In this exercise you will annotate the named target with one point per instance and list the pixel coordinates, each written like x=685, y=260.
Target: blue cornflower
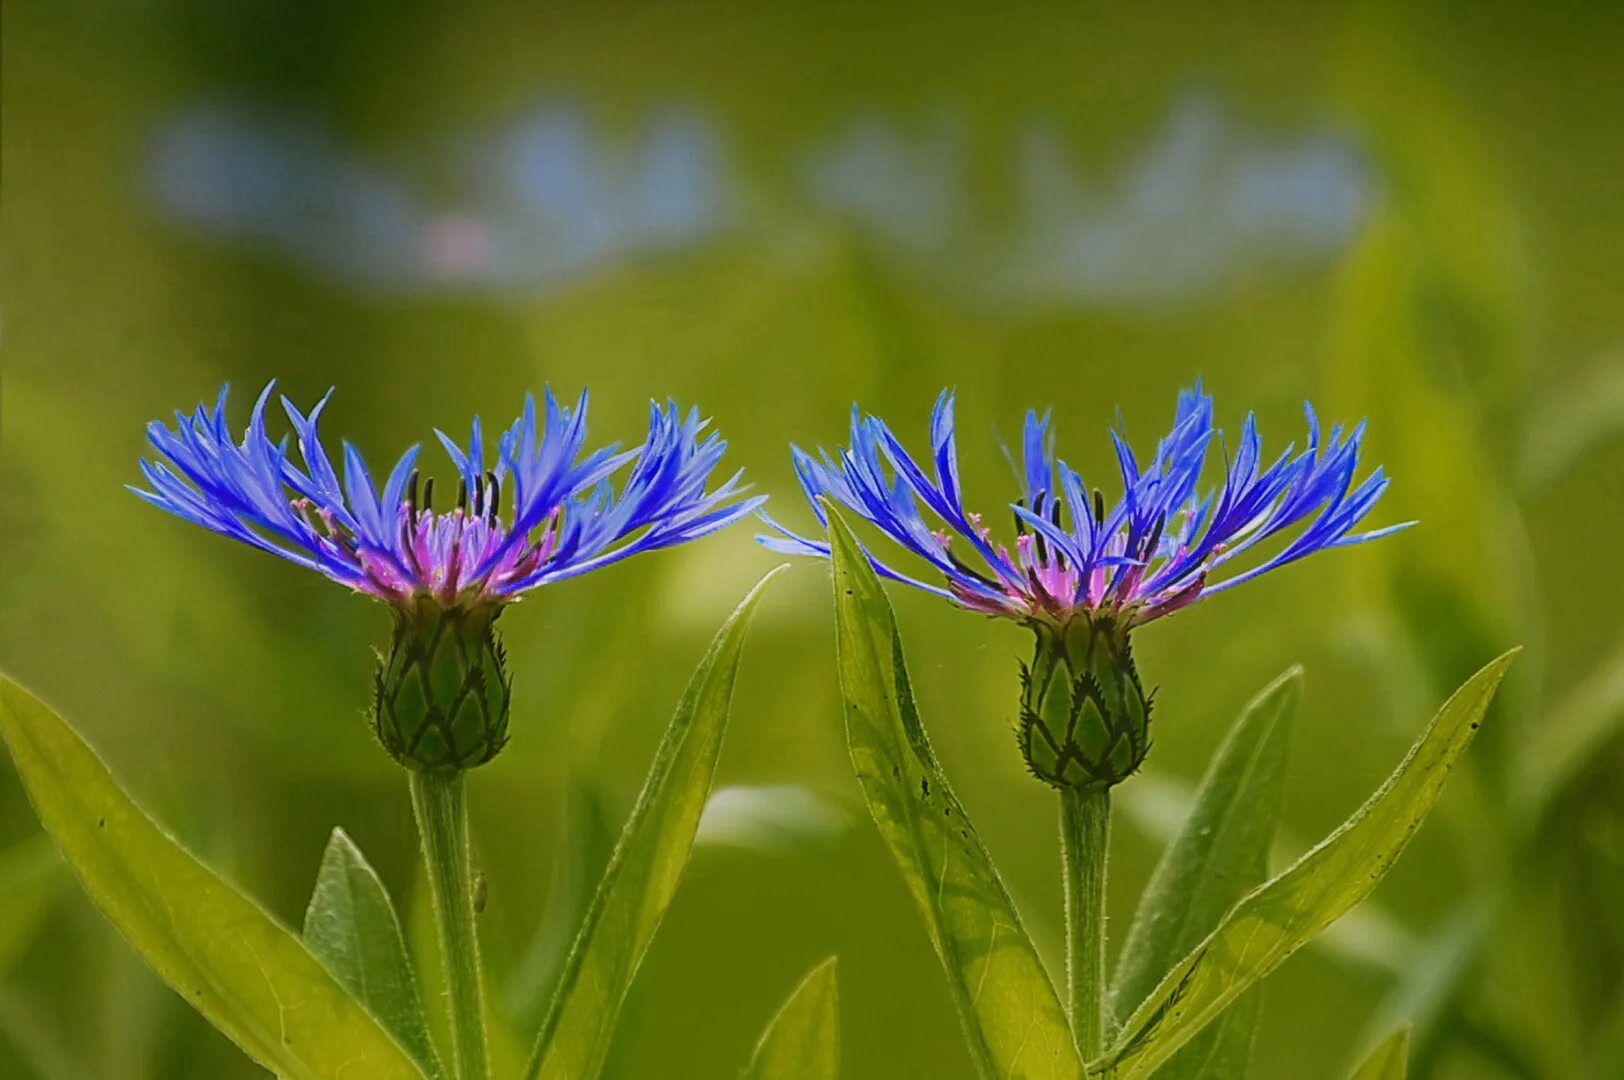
x=564, y=515
x=1082, y=574
x=1162, y=546
x=441, y=693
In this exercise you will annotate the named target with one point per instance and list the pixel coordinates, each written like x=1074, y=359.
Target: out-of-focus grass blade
x=1436, y=974
x=771, y=818
x=586, y=840
x=1389, y=1060
x=1429, y=337
x=1277, y=919
x=1221, y=854
x=30, y=874
x=1012, y=1018
x=1570, y=422
x=352, y=928
x=1559, y=747
x=803, y=1040
x=249, y=975
x=645, y=869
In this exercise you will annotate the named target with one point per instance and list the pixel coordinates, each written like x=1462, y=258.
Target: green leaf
x=1388, y=1060
x=803, y=1040
x=1275, y=920
x=246, y=973
x=1012, y=1018
x=30, y=873
x=351, y=927
x=645, y=868
x=1221, y=853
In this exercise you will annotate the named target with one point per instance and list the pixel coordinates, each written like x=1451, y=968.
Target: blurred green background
x=1407, y=213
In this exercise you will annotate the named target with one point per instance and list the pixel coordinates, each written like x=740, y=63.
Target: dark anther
x=1099, y=507
x=964, y=568
x=1037, y=537
x=1044, y=596
x=1020, y=523
x=479, y=494
x=1054, y=511
x=1155, y=537
x=428, y=495
x=411, y=497
x=493, y=501
x=462, y=494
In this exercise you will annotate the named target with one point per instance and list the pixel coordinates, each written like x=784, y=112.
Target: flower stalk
x=439, y=800
x=1085, y=827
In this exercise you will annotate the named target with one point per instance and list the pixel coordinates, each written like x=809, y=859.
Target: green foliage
x=352, y=928
x=1388, y=1061
x=1280, y=917
x=251, y=977
x=803, y=1040
x=645, y=868
x=1012, y=1019
x=1221, y=853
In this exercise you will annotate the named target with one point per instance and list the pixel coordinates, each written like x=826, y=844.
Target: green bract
x=441, y=695
x=1085, y=716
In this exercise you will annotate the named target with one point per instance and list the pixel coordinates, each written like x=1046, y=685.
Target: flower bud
x=441, y=695
x=1085, y=717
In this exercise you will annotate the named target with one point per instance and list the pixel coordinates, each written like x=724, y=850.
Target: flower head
x=1163, y=545
x=536, y=511
x=1083, y=574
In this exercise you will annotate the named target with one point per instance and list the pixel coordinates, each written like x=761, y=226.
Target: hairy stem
x=1085, y=826
x=440, y=802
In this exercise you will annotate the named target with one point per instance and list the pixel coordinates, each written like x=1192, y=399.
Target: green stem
x=1085, y=827
x=441, y=804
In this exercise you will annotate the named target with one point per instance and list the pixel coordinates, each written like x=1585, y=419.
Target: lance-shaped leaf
x=1389, y=1060
x=1277, y=919
x=1012, y=1019
x=645, y=868
x=352, y=928
x=246, y=973
x=803, y=1040
x=1221, y=854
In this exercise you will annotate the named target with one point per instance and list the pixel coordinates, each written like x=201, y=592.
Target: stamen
x=1154, y=538
x=1099, y=507
x=1037, y=508
x=1045, y=598
x=462, y=495
x=411, y=498
x=312, y=517
x=964, y=568
x=428, y=496
x=495, y=503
